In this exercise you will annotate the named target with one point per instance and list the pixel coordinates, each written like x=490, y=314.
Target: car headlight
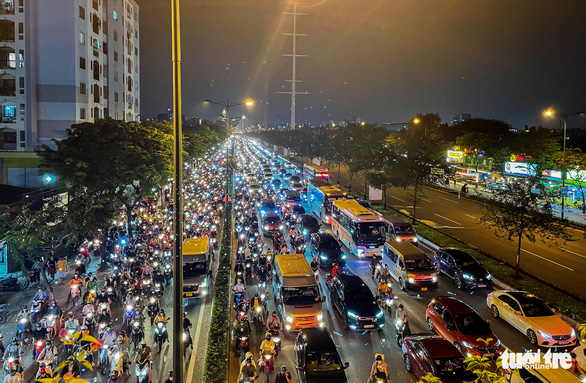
x=415, y=239
x=352, y=315
x=344, y=256
x=466, y=344
x=398, y=239
x=488, y=276
x=544, y=335
x=289, y=319
x=434, y=278
x=380, y=314
x=467, y=276
x=323, y=257
x=320, y=317
x=411, y=280
x=266, y=227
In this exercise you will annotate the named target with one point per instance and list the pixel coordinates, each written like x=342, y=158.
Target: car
x=462, y=326
x=294, y=179
x=326, y=250
x=462, y=268
x=306, y=225
x=282, y=172
x=254, y=187
x=287, y=177
x=296, y=210
x=431, y=354
x=317, y=358
x=290, y=197
x=267, y=206
x=532, y=317
x=354, y=301
x=268, y=176
x=276, y=184
x=271, y=223
x=296, y=186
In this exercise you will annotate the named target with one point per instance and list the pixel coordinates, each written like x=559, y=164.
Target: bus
x=311, y=171
x=197, y=272
x=362, y=230
x=320, y=196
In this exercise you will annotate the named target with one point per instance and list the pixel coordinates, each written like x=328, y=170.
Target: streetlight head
x=249, y=103
x=416, y=121
x=549, y=113
x=362, y=123
x=207, y=101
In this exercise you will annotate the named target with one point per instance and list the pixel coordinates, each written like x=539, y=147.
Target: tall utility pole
x=294, y=56
x=178, y=203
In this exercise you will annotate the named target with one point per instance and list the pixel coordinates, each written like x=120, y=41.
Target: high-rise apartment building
x=64, y=62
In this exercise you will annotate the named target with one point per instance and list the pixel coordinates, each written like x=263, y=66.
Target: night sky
x=381, y=60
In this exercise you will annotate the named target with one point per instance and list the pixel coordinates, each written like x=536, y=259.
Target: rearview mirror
x=346, y=365
x=517, y=312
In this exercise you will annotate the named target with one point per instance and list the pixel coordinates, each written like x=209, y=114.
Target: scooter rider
x=24, y=313
x=401, y=313
x=108, y=337
x=248, y=371
x=13, y=350
x=268, y=345
x=239, y=288
x=40, y=295
x=71, y=323
x=315, y=268
x=383, y=289
x=273, y=322
x=49, y=355
x=379, y=369
x=144, y=353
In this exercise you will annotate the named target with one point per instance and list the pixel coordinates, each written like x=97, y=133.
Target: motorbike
x=187, y=341
x=24, y=331
x=137, y=333
x=34, y=275
x=372, y=268
x=241, y=340
x=37, y=311
x=39, y=347
x=401, y=331
x=111, y=294
x=51, y=324
x=276, y=337
x=104, y=360
x=90, y=322
x=153, y=309
x=168, y=274
x=159, y=289
x=143, y=371
x=128, y=316
x=9, y=284
x=161, y=334
x=248, y=270
x=267, y=366
x=119, y=356
x=75, y=294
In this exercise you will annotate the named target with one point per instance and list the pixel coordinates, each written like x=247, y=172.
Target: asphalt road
x=359, y=348
x=558, y=263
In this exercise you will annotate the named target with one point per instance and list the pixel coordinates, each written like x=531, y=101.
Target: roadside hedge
x=216, y=364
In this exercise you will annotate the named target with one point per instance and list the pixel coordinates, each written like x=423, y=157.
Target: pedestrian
x=52, y=266
x=284, y=376
x=62, y=268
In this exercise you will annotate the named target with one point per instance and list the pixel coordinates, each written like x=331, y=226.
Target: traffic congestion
x=108, y=318
x=326, y=289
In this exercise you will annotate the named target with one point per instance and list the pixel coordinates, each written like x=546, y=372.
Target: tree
x=515, y=211
x=484, y=369
x=477, y=143
x=576, y=166
x=418, y=148
x=115, y=162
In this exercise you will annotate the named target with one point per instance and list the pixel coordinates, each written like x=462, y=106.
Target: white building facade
x=64, y=62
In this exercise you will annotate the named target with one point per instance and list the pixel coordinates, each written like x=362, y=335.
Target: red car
x=428, y=353
x=462, y=326
x=271, y=223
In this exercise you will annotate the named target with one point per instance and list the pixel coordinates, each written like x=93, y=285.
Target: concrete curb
x=502, y=285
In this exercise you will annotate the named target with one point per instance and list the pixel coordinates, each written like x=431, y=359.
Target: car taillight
x=488, y=296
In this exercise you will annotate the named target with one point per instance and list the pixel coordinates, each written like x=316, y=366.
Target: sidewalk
x=570, y=213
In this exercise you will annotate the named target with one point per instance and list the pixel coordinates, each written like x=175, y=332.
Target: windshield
x=310, y=224
x=272, y=219
x=293, y=198
x=533, y=307
x=328, y=243
x=268, y=205
x=419, y=265
x=323, y=361
x=371, y=231
x=359, y=296
x=471, y=324
x=194, y=269
x=451, y=368
x=300, y=295
x=404, y=229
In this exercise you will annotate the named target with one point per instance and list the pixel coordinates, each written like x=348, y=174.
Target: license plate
x=562, y=343
x=424, y=289
x=188, y=294
x=481, y=285
x=368, y=326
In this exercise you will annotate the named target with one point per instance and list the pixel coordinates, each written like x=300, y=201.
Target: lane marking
x=447, y=219
x=191, y=368
x=471, y=216
x=426, y=200
x=446, y=199
x=428, y=247
x=573, y=252
x=402, y=200
x=549, y=260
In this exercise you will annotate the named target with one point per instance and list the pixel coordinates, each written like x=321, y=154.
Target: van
x=297, y=296
x=410, y=266
x=399, y=230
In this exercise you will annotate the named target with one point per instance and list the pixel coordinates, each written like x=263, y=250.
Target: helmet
x=122, y=333
x=70, y=316
x=70, y=359
x=24, y=307
x=248, y=360
x=53, y=302
x=144, y=343
x=268, y=335
x=43, y=370
x=401, y=306
x=161, y=311
x=48, y=343
x=248, y=355
x=379, y=357
x=39, y=326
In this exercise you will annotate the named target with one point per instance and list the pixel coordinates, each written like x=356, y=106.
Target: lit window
x=115, y=15
x=82, y=37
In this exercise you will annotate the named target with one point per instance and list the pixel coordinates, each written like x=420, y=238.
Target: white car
x=532, y=317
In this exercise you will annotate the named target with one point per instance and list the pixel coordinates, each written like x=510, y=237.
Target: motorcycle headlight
x=258, y=309
x=152, y=300
x=23, y=320
x=320, y=316
x=129, y=308
x=276, y=339
x=117, y=355
x=434, y=278
x=411, y=280
x=39, y=344
x=262, y=296
x=160, y=324
x=135, y=324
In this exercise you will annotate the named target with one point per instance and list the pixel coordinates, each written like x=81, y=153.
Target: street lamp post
x=550, y=113
x=227, y=105
x=178, y=372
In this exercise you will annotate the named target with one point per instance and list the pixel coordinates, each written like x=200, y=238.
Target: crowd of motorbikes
x=138, y=270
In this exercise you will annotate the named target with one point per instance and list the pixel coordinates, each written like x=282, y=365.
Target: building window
x=22, y=136
x=116, y=96
x=21, y=58
x=82, y=88
x=21, y=82
x=116, y=75
x=96, y=23
x=7, y=7
x=7, y=30
x=82, y=63
x=136, y=51
x=96, y=68
x=115, y=35
x=105, y=47
x=95, y=4
x=7, y=85
x=8, y=113
x=115, y=56
x=20, y=27
x=7, y=58
x=114, y=14
x=22, y=111
x=106, y=93
x=129, y=82
x=81, y=12
x=82, y=37
x=82, y=114
x=96, y=93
